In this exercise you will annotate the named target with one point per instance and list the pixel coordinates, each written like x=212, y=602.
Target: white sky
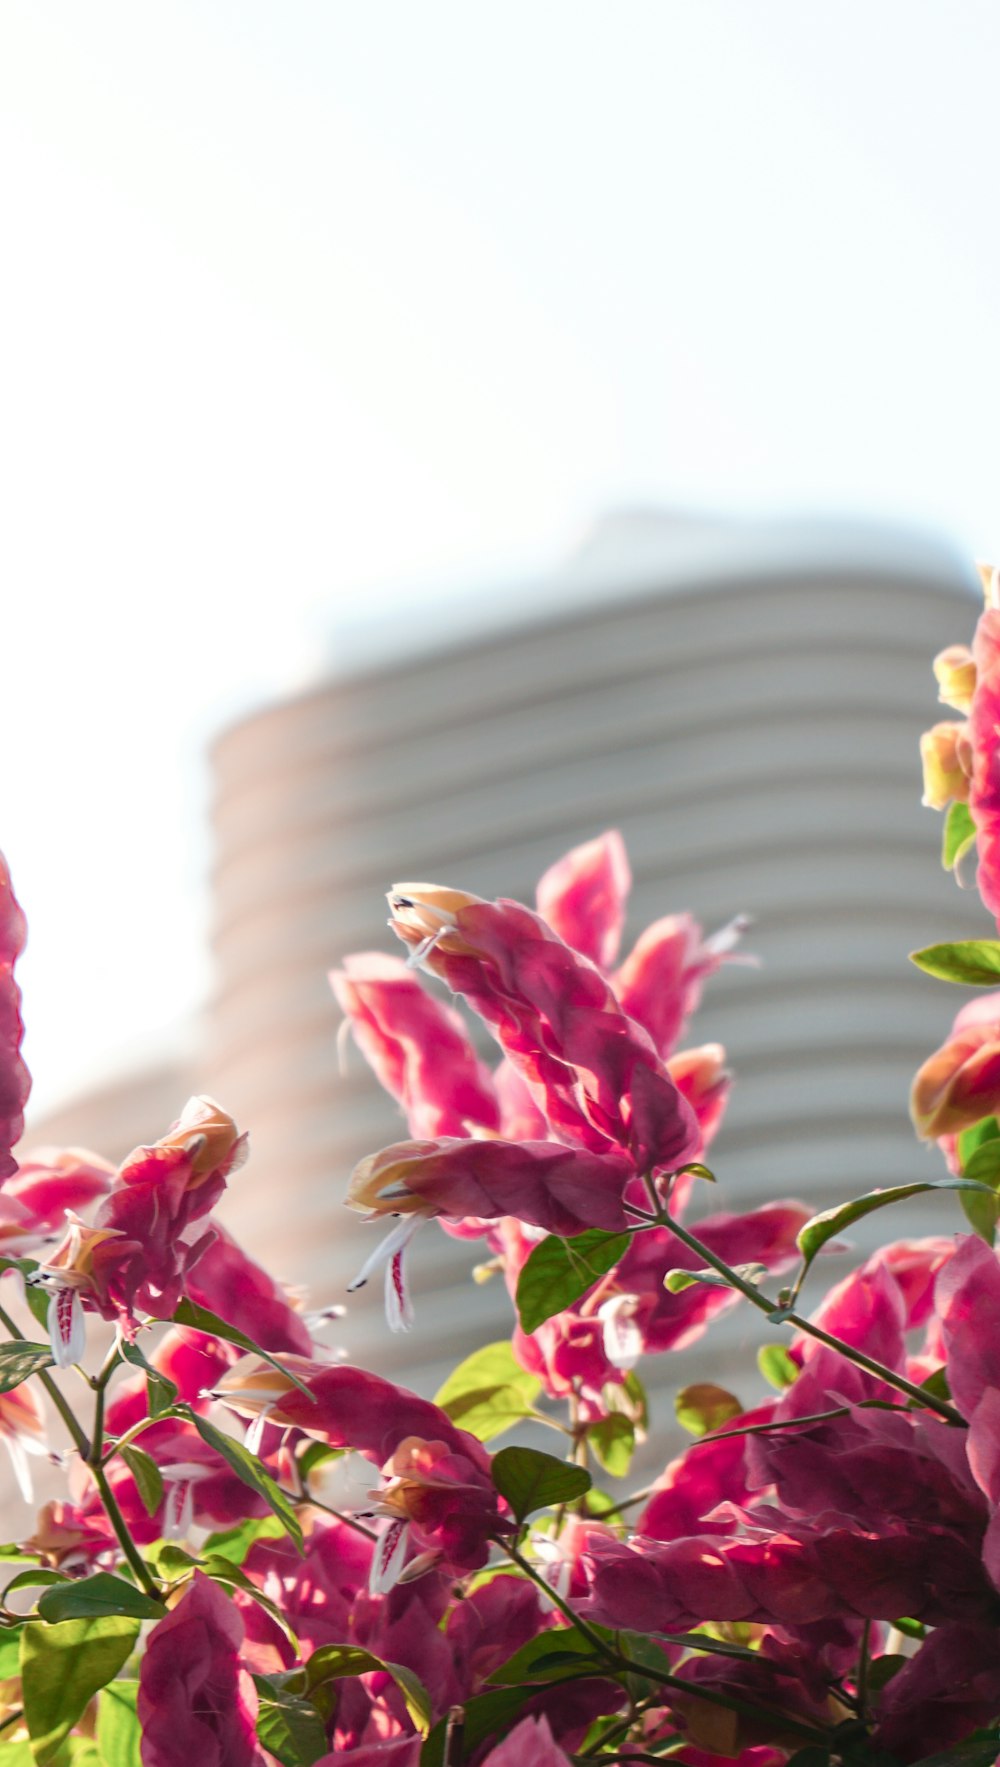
x=302, y=301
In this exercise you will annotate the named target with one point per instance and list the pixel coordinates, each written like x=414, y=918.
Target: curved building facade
x=744, y=704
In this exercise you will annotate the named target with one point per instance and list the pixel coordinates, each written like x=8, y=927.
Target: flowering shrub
x=266, y=1555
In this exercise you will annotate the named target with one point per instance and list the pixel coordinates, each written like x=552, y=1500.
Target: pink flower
x=344, y=1406
x=948, y=1689
x=196, y=1703
x=659, y=985
x=419, y=1049
x=231, y=1284
x=960, y=1083
x=582, y=897
x=593, y=1072
x=52, y=1180
x=200, y=1489
x=439, y=1506
x=530, y=1744
x=561, y=1189
x=440, y=1497
x=15, y=1081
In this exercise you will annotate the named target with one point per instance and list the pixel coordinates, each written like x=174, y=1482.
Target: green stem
x=862, y=1685
x=58, y=1399
x=139, y=1568
x=743, y=1708
x=789, y=1317
x=145, y=1423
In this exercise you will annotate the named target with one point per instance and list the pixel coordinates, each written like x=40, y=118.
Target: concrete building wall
x=747, y=711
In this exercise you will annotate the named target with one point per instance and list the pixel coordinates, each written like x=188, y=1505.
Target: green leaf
x=982, y=1163
x=546, y=1657
x=957, y=836
x=532, y=1480
x=777, y=1366
x=247, y=1467
x=332, y=1662
x=222, y=1570
x=16, y=1754
x=635, y=1392
x=161, y=1392
x=676, y=1281
x=316, y=1454
x=234, y=1543
x=89, y=1597
x=38, y=1300
x=697, y=1170
x=973, y=962
x=200, y=1319
x=987, y=1129
x=882, y=1669
x=488, y=1392
x=62, y=1667
x=33, y=1579
x=288, y=1726
x=147, y=1476
x=10, y=1652
x=20, y=1360
x=827, y=1225
x=559, y=1271
x=704, y=1407
x=612, y=1439
x=118, y=1724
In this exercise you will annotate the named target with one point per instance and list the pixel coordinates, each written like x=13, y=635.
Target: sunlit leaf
x=531, y=1480
x=958, y=835
x=289, y=1727
x=334, y=1661
x=247, y=1467
x=234, y=1543
x=777, y=1366
x=830, y=1222
x=161, y=1391
x=704, y=1407
x=88, y=1597
x=488, y=1392
x=676, y=1281
x=147, y=1476
x=558, y=1271
x=973, y=962
x=20, y=1360
x=546, y=1657
x=118, y=1724
x=612, y=1439
x=198, y=1318
x=62, y=1667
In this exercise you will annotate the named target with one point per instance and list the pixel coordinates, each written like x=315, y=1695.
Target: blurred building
x=744, y=703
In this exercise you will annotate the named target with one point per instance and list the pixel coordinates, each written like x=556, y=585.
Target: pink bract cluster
x=333, y=1569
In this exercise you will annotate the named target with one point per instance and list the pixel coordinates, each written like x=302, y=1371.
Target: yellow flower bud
x=955, y=673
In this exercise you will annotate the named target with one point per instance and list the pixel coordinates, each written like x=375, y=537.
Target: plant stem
x=137, y=1564
x=789, y=1317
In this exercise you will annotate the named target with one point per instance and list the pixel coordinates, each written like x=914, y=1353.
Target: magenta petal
x=196, y=1703
x=15, y=1081
x=582, y=897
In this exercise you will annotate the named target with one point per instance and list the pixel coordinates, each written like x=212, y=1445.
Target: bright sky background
x=331, y=306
